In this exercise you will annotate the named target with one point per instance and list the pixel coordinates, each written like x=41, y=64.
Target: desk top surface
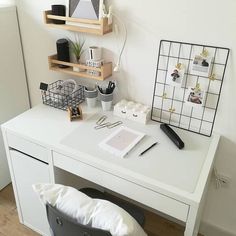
x=165, y=163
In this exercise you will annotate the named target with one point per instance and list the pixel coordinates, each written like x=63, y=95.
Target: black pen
x=100, y=89
x=148, y=148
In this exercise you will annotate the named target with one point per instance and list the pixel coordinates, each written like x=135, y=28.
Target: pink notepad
x=121, y=141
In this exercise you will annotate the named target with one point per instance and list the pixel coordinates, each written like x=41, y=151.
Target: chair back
x=62, y=225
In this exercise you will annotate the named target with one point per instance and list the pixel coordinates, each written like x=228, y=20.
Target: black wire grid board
x=190, y=100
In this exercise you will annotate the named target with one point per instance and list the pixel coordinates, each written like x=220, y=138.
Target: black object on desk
x=172, y=135
x=148, y=148
x=109, y=90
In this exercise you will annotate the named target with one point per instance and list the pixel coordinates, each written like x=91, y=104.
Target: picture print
x=195, y=97
x=201, y=65
x=85, y=9
x=175, y=76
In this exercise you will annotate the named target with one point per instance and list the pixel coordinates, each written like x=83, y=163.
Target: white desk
x=166, y=179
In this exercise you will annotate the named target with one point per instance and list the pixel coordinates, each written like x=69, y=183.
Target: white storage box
x=132, y=111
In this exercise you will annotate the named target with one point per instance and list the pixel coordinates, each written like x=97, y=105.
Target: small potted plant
x=77, y=49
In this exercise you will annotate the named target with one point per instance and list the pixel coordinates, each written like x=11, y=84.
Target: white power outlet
x=224, y=180
x=220, y=179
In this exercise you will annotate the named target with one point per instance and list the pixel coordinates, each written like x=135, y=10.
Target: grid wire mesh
x=62, y=97
x=169, y=102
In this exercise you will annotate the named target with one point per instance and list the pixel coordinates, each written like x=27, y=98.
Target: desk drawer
x=27, y=147
x=129, y=189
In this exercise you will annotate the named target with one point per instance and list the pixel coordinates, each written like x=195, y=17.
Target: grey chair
x=62, y=225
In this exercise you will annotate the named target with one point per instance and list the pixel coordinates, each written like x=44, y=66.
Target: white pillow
x=68, y=200
x=97, y=213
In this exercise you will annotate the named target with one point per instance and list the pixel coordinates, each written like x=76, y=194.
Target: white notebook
x=121, y=141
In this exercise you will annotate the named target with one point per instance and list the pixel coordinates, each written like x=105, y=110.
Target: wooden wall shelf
x=97, y=27
x=105, y=70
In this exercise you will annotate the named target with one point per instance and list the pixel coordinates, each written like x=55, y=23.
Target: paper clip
x=204, y=53
x=178, y=66
x=172, y=110
x=101, y=126
x=112, y=125
x=101, y=120
x=212, y=77
x=164, y=96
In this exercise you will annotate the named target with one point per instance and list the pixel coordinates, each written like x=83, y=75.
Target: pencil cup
x=91, y=97
x=106, y=100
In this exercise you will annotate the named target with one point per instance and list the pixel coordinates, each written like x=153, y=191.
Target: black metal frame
x=189, y=59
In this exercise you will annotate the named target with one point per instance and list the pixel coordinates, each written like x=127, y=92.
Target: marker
x=148, y=148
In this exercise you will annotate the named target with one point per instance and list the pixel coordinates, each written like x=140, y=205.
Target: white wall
x=11, y=2
x=205, y=22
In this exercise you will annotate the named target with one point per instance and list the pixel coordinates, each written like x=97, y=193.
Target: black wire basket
x=62, y=96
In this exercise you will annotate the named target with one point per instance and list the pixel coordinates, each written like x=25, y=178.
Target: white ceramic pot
x=91, y=97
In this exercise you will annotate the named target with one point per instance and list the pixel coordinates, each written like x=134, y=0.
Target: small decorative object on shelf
x=93, y=63
x=62, y=94
x=95, y=53
x=63, y=53
x=85, y=9
x=132, y=111
x=77, y=49
x=59, y=10
x=75, y=113
x=95, y=60
x=105, y=70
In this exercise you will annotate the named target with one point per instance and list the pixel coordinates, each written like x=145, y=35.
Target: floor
x=10, y=226
x=9, y=222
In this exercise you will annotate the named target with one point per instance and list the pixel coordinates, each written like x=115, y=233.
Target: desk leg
x=193, y=222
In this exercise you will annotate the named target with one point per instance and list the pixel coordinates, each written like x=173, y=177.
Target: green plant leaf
x=77, y=47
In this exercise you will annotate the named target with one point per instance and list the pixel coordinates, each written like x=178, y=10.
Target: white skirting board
x=208, y=229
